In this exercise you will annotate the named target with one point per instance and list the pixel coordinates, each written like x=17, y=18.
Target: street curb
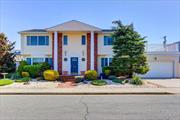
x=90, y=93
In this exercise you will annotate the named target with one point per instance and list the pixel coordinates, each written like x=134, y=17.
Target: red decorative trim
x=95, y=50
x=88, y=51
x=52, y=50
x=60, y=53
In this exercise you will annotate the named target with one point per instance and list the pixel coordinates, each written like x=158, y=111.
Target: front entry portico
x=87, y=53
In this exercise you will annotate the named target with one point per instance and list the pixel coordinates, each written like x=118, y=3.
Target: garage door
x=160, y=70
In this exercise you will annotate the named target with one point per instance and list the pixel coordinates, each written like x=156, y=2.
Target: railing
x=160, y=47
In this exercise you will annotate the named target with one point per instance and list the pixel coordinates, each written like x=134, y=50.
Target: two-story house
x=74, y=47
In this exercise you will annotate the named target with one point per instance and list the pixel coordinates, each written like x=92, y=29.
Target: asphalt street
x=89, y=107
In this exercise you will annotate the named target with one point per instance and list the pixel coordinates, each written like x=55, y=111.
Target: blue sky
x=151, y=18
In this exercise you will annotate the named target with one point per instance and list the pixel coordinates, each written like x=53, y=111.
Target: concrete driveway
x=169, y=83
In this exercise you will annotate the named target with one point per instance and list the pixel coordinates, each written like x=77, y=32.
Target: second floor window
x=37, y=40
x=43, y=40
x=108, y=40
x=83, y=40
x=65, y=40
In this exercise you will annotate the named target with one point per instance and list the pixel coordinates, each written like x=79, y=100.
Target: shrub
x=25, y=79
x=79, y=79
x=117, y=80
x=5, y=82
x=98, y=82
x=20, y=68
x=44, y=66
x=106, y=68
x=51, y=75
x=136, y=80
x=33, y=70
x=112, y=77
x=25, y=74
x=91, y=75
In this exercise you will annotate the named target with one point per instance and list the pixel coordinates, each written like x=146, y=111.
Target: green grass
x=98, y=82
x=5, y=82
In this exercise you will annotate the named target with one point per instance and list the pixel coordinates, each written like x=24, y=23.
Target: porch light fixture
x=65, y=59
x=83, y=59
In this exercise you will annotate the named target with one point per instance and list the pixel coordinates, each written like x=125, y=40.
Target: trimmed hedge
x=33, y=70
x=112, y=77
x=118, y=81
x=98, y=82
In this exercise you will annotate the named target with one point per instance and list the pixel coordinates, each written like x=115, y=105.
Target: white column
x=55, y=50
x=92, y=50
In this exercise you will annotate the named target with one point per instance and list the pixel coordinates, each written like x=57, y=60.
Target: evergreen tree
x=129, y=49
x=7, y=57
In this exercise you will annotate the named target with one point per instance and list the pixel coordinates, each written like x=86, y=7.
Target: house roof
x=33, y=31
x=108, y=30
x=73, y=25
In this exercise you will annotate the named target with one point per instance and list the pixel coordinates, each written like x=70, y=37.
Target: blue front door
x=74, y=65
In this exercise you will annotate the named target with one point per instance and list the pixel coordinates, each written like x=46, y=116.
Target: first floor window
x=49, y=60
x=104, y=62
x=110, y=61
x=28, y=60
x=37, y=60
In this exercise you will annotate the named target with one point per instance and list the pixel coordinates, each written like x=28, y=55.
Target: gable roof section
x=73, y=25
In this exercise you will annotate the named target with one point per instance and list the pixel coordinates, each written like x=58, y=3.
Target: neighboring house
x=173, y=46
x=18, y=57
x=73, y=47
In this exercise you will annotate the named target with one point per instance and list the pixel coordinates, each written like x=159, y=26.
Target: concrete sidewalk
x=92, y=91
x=168, y=83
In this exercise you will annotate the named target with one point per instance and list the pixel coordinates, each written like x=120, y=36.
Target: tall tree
x=7, y=56
x=129, y=49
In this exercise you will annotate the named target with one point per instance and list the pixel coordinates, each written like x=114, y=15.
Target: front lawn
x=5, y=82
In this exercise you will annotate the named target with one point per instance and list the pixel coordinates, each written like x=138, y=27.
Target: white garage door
x=160, y=70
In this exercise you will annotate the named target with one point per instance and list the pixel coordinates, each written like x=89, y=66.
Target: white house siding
x=36, y=51
x=103, y=51
x=74, y=49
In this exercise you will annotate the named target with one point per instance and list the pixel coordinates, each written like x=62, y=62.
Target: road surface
x=97, y=107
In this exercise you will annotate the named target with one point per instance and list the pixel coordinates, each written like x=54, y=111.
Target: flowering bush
x=91, y=75
x=51, y=75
